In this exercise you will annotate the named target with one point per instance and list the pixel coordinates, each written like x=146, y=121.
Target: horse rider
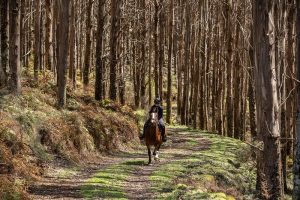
x=157, y=108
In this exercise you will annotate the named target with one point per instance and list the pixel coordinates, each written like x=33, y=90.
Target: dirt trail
x=64, y=185
x=137, y=186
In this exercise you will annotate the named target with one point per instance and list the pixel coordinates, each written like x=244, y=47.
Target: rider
x=157, y=108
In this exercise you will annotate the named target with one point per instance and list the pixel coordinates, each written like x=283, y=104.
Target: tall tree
x=87, y=56
x=62, y=49
x=37, y=38
x=115, y=11
x=4, y=42
x=72, y=67
x=296, y=192
x=14, y=46
x=99, y=49
x=48, y=35
x=267, y=100
x=169, y=95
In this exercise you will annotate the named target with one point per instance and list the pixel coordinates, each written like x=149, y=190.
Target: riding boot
x=142, y=136
x=164, y=137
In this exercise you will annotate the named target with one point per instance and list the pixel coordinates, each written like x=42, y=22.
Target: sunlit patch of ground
x=194, y=165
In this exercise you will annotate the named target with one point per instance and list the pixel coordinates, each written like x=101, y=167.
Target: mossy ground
x=223, y=169
x=109, y=183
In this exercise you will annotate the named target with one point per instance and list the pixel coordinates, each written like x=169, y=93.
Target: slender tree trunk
x=4, y=42
x=14, y=46
x=143, y=52
x=251, y=90
x=156, y=57
x=161, y=47
x=37, y=39
x=184, y=107
x=115, y=10
x=63, y=46
x=229, y=100
x=87, y=56
x=72, y=66
x=169, y=95
x=48, y=36
x=99, y=47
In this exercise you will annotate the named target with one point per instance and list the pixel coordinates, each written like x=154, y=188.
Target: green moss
x=109, y=183
x=207, y=171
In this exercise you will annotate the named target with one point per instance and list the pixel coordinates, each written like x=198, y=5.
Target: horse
x=153, y=137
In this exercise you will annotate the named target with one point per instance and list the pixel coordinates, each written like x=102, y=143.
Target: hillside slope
x=34, y=134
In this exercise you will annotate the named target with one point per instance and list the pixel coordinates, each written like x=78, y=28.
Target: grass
x=109, y=183
x=215, y=173
x=223, y=171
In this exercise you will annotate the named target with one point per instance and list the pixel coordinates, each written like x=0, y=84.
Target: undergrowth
x=33, y=132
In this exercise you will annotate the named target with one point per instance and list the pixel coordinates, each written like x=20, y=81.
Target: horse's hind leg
x=156, y=153
x=149, y=155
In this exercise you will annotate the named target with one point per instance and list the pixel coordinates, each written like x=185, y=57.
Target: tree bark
x=48, y=36
x=63, y=46
x=87, y=59
x=72, y=66
x=296, y=170
x=169, y=95
x=115, y=10
x=268, y=115
x=4, y=42
x=37, y=39
x=99, y=47
x=14, y=47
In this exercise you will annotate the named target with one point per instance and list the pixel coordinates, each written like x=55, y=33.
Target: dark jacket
x=158, y=109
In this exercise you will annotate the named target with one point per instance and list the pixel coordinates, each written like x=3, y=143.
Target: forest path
x=180, y=145
x=122, y=176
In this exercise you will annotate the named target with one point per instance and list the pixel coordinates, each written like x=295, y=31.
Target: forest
x=78, y=77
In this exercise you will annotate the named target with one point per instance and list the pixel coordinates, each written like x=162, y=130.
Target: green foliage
x=141, y=116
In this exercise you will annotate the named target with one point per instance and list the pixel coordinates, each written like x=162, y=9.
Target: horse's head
x=153, y=117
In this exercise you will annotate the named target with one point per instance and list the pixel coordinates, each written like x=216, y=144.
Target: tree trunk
x=48, y=36
x=156, y=57
x=63, y=46
x=115, y=10
x=296, y=191
x=99, y=47
x=72, y=66
x=268, y=115
x=14, y=46
x=229, y=100
x=87, y=59
x=37, y=39
x=169, y=95
x=4, y=42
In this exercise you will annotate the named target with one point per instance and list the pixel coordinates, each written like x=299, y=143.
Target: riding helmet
x=157, y=100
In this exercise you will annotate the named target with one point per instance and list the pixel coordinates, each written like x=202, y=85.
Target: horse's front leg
x=149, y=155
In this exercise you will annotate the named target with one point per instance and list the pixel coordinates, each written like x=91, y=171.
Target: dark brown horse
x=153, y=137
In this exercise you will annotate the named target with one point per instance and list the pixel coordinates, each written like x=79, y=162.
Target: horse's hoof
x=150, y=164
